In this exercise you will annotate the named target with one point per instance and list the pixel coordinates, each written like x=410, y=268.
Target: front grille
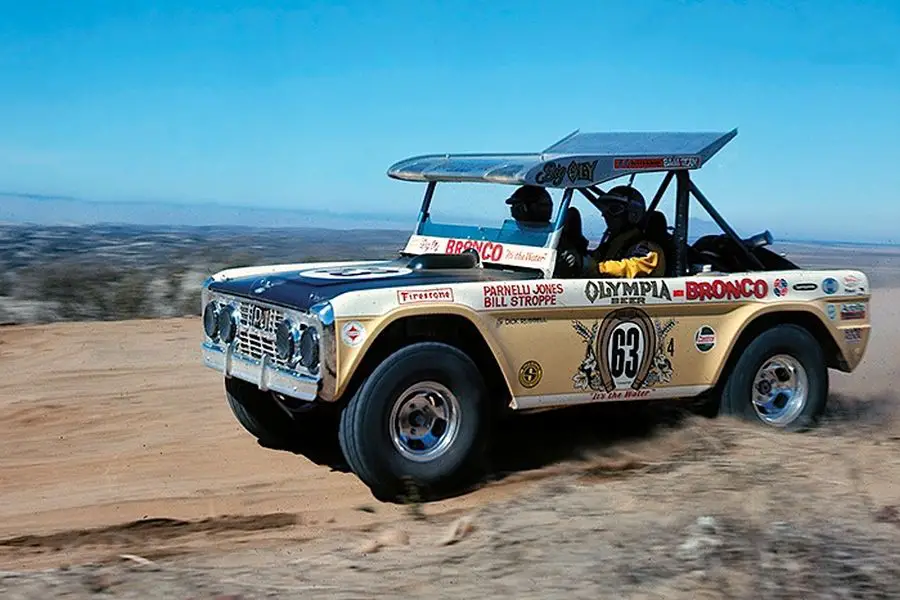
x=254, y=342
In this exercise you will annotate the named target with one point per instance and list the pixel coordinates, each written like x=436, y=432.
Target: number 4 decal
x=671, y=347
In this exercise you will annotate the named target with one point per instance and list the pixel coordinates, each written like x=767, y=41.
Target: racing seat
x=657, y=230
x=571, y=239
x=572, y=231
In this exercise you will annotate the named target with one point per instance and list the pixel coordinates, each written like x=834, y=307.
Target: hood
x=300, y=289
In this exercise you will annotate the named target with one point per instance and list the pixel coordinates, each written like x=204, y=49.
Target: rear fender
x=811, y=317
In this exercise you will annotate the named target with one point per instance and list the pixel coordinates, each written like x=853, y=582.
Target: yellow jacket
x=644, y=259
x=631, y=267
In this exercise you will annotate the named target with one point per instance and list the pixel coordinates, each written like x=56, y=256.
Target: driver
x=531, y=204
x=624, y=250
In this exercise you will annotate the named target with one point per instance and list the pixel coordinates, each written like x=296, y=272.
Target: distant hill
x=51, y=210
x=18, y=208
x=55, y=210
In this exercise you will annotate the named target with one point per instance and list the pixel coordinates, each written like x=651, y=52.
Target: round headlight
x=309, y=349
x=228, y=323
x=287, y=338
x=211, y=320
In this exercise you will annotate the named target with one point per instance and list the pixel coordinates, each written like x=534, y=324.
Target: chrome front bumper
x=264, y=374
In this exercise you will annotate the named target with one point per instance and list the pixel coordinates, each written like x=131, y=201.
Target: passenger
x=624, y=250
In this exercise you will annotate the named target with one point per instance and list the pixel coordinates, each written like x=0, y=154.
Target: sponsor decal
x=514, y=254
x=805, y=287
x=780, y=287
x=830, y=286
x=530, y=374
x=424, y=296
x=521, y=295
x=660, y=162
x=705, y=339
x=625, y=351
x=618, y=395
x=428, y=245
x=853, y=335
x=361, y=272
x=719, y=289
x=852, y=284
x=553, y=173
x=853, y=312
x=520, y=321
x=488, y=251
x=525, y=256
x=626, y=292
x=581, y=171
x=622, y=395
x=831, y=311
x=353, y=333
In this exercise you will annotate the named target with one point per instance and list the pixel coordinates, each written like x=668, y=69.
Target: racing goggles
x=614, y=208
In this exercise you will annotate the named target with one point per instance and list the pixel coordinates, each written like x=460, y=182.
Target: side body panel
x=569, y=341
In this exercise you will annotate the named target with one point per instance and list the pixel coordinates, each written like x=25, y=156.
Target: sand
x=115, y=439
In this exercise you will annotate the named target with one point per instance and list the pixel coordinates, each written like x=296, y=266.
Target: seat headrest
x=657, y=223
x=572, y=221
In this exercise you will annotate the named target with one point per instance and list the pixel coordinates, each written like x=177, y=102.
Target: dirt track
x=113, y=438
x=102, y=424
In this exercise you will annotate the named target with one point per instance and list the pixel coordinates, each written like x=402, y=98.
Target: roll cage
x=588, y=159
x=684, y=189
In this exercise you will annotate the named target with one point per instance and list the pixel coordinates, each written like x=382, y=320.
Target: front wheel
x=780, y=380
x=418, y=418
x=259, y=414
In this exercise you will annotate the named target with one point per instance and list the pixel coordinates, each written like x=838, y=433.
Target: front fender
x=350, y=355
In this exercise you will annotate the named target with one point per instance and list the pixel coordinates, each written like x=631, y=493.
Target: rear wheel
x=780, y=380
x=418, y=418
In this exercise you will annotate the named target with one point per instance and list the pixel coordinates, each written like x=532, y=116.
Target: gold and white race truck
x=415, y=353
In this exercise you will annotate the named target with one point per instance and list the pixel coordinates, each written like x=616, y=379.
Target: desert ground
x=123, y=474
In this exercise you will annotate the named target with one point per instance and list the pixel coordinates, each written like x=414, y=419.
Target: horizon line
x=788, y=240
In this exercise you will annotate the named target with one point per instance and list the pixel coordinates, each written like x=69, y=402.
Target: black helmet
x=531, y=203
x=624, y=199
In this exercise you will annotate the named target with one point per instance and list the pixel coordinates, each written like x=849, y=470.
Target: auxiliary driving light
x=228, y=323
x=211, y=319
x=287, y=340
x=309, y=349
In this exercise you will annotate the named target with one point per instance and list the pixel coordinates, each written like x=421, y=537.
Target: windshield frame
x=509, y=231
x=512, y=245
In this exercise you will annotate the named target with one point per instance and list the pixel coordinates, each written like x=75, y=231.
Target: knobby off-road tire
x=258, y=413
x=785, y=358
x=435, y=395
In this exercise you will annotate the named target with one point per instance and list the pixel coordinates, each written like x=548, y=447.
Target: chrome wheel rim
x=424, y=421
x=780, y=390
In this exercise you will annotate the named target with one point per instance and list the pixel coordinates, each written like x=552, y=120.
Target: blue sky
x=306, y=104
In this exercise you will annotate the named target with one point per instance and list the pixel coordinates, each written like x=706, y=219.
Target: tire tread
x=733, y=401
x=355, y=418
